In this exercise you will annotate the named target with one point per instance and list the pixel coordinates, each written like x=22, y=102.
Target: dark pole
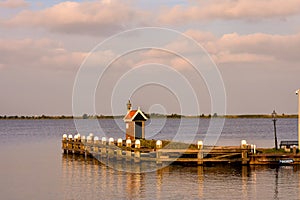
x=274, y=121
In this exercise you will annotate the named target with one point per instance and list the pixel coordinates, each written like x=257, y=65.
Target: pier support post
x=137, y=152
x=65, y=143
x=89, y=145
x=83, y=146
x=244, y=152
x=200, y=153
x=76, y=145
x=119, y=149
x=110, y=150
x=158, y=152
x=128, y=149
x=294, y=150
x=96, y=148
x=103, y=147
x=70, y=144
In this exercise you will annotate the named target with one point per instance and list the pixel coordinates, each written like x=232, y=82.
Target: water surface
x=32, y=166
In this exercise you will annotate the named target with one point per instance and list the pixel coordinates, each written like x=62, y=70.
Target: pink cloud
x=230, y=48
x=42, y=53
x=13, y=4
x=96, y=17
x=229, y=9
x=258, y=47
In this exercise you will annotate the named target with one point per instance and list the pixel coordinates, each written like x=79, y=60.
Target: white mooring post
x=110, y=147
x=96, y=143
x=83, y=139
x=111, y=141
x=158, y=152
x=244, y=152
x=103, y=147
x=70, y=143
x=128, y=149
x=83, y=145
x=119, y=142
x=65, y=136
x=65, y=143
x=137, y=152
x=200, y=152
x=76, y=146
x=119, y=149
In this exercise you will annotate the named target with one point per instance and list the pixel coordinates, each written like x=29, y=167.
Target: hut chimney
x=129, y=105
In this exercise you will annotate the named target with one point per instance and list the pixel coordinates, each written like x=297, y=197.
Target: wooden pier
x=127, y=151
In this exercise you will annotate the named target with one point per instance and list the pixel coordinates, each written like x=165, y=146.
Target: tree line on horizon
x=151, y=115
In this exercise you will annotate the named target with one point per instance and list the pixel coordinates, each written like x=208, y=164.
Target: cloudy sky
x=255, y=45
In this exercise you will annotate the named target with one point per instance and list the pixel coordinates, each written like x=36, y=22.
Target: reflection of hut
x=135, y=123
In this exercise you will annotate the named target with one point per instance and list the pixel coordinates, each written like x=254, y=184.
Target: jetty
x=164, y=154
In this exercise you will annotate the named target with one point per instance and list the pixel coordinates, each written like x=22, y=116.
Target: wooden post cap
x=137, y=144
x=158, y=144
x=89, y=138
x=111, y=141
x=128, y=142
x=103, y=140
x=200, y=144
x=243, y=142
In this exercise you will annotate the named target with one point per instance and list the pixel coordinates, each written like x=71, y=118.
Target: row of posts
x=89, y=140
x=84, y=144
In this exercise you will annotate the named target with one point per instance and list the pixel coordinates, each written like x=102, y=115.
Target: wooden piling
x=70, y=144
x=244, y=147
x=128, y=154
x=119, y=149
x=137, y=152
x=65, y=143
x=111, y=149
x=200, y=153
x=158, y=152
x=128, y=149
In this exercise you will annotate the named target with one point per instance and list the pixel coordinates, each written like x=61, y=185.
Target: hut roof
x=133, y=115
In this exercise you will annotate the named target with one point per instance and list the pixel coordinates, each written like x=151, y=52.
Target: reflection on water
x=89, y=179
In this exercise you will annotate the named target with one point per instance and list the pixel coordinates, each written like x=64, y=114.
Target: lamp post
x=274, y=115
x=297, y=93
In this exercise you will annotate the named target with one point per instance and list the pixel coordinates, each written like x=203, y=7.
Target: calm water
x=32, y=166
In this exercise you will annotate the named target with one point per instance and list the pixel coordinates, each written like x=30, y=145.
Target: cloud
x=96, y=17
x=230, y=9
x=41, y=53
x=106, y=17
x=231, y=48
x=13, y=4
x=257, y=49
x=251, y=48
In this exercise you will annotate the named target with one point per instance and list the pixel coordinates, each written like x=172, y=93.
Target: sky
x=255, y=46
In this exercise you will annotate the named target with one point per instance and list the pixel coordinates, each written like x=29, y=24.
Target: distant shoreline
x=153, y=116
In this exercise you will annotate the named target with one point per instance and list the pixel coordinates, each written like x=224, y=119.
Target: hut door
x=138, y=130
